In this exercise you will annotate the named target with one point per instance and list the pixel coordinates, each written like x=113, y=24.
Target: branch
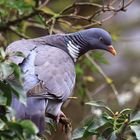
x=16, y=21
x=80, y=4
x=102, y=9
x=9, y=23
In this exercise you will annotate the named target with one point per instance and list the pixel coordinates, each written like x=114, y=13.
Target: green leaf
x=2, y=54
x=90, y=129
x=47, y=10
x=51, y=124
x=16, y=71
x=3, y=100
x=136, y=116
x=136, y=129
x=135, y=122
x=6, y=93
x=104, y=127
x=18, y=53
x=136, y=119
x=5, y=70
x=2, y=124
x=14, y=126
x=126, y=111
x=18, y=90
x=29, y=127
x=78, y=133
x=99, y=104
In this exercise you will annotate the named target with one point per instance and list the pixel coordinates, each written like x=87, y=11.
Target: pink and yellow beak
x=112, y=50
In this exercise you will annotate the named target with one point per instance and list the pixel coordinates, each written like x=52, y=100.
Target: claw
x=61, y=118
x=66, y=123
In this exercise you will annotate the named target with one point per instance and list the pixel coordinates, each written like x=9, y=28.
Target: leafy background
x=34, y=18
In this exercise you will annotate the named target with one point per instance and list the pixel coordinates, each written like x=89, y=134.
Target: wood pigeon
x=49, y=70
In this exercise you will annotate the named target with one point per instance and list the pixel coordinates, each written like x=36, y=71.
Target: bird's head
x=97, y=38
x=90, y=39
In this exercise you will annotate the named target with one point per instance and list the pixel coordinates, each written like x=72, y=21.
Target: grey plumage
x=49, y=77
x=48, y=70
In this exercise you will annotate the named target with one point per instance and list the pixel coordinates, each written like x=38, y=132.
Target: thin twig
x=103, y=8
x=80, y=4
x=16, y=21
x=44, y=3
x=19, y=33
x=52, y=26
x=98, y=89
x=107, y=79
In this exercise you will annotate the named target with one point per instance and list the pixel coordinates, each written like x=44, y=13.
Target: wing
x=23, y=46
x=56, y=72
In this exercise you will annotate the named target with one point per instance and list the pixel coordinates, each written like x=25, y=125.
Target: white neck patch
x=74, y=50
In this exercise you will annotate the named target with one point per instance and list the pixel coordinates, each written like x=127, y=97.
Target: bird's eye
x=101, y=39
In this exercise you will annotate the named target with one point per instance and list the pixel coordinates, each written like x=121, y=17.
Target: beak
x=112, y=50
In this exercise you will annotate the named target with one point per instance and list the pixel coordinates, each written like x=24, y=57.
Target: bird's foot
x=61, y=118
x=66, y=122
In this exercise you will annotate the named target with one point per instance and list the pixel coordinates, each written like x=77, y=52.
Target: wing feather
x=57, y=72
x=53, y=67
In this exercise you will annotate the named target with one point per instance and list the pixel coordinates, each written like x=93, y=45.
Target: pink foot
x=59, y=116
x=66, y=123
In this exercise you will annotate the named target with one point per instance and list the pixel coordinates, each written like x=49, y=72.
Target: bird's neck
x=76, y=45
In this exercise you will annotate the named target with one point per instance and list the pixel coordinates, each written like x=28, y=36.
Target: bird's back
x=46, y=69
x=49, y=77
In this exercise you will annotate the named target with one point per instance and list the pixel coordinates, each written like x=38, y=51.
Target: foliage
x=10, y=127
x=19, y=17
x=110, y=125
x=22, y=19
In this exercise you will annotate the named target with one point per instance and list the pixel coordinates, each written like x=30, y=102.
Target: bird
x=48, y=68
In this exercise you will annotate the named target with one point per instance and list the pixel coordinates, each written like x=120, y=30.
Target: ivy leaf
x=78, y=133
x=16, y=71
x=29, y=127
x=99, y=104
x=18, y=53
x=136, y=129
x=17, y=89
x=103, y=128
x=126, y=111
x=90, y=129
x=6, y=93
x=2, y=54
x=16, y=127
x=5, y=70
x=136, y=119
x=3, y=100
x=51, y=125
x=47, y=11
